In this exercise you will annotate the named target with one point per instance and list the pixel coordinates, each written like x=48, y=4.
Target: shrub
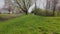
x=41, y=12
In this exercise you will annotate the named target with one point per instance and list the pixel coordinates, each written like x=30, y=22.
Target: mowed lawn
x=31, y=24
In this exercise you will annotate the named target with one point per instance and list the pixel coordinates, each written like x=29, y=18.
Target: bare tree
x=24, y=5
x=47, y=6
x=51, y=5
x=9, y=5
x=54, y=4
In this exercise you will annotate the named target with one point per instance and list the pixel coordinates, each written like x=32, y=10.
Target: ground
x=31, y=24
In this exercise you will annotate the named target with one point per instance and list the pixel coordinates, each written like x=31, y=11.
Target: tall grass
x=31, y=24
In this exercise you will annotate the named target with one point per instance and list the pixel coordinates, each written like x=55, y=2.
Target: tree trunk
x=53, y=11
x=26, y=12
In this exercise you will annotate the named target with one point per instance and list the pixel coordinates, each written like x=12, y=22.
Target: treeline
x=52, y=7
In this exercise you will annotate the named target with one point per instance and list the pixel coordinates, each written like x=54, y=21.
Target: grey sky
x=1, y=3
x=38, y=1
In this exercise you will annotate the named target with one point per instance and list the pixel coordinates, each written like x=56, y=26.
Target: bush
x=41, y=12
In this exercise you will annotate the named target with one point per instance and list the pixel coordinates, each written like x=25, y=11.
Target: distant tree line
x=51, y=5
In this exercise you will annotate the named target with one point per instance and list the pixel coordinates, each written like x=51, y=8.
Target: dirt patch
x=7, y=17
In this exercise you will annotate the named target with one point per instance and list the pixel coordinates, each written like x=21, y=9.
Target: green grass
x=31, y=24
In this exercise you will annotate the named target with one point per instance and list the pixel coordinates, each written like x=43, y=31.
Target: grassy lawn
x=31, y=24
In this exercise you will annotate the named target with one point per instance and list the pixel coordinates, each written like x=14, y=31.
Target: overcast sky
x=1, y=3
x=41, y=3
